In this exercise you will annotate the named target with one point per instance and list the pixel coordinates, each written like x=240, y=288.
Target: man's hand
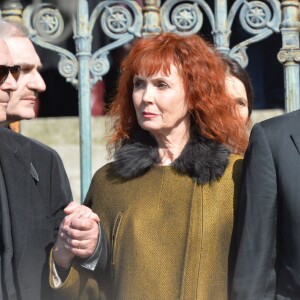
x=78, y=235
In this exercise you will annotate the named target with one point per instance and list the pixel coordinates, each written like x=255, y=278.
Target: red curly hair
x=213, y=112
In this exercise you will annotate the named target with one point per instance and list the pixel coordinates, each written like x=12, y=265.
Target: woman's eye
x=138, y=84
x=162, y=84
x=241, y=102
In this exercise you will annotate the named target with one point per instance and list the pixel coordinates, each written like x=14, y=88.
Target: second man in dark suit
x=268, y=259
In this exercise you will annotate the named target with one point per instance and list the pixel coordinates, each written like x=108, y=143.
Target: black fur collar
x=202, y=159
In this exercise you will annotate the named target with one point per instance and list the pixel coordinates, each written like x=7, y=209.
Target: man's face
x=30, y=83
x=9, y=85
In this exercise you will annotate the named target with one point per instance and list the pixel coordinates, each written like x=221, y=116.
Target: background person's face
x=9, y=84
x=30, y=83
x=159, y=102
x=236, y=89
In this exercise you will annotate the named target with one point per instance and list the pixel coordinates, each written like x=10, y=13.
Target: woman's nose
x=149, y=94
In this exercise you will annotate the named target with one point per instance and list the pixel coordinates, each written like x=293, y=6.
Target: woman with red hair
x=166, y=202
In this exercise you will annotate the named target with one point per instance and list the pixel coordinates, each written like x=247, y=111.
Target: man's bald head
x=5, y=58
x=10, y=29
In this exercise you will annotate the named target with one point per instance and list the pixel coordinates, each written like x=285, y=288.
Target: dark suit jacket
x=37, y=191
x=268, y=259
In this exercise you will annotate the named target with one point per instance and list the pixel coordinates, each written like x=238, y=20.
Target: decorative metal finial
x=12, y=10
x=151, y=18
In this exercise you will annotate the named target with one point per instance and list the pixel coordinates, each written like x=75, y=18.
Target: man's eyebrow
x=25, y=65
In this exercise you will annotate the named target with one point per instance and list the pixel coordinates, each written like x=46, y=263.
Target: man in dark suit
x=34, y=190
x=268, y=229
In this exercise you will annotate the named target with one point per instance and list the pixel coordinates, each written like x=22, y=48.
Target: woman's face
x=236, y=89
x=159, y=102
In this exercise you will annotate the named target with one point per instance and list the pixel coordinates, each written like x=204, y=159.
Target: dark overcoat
x=268, y=261
x=36, y=189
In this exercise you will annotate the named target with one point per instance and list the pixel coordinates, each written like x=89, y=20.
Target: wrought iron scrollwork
x=45, y=24
x=116, y=20
x=258, y=18
x=184, y=18
x=48, y=23
x=99, y=66
x=121, y=21
x=255, y=16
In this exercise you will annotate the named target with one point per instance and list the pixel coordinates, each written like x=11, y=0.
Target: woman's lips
x=149, y=115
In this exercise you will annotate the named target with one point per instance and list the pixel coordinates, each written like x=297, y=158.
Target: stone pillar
x=289, y=54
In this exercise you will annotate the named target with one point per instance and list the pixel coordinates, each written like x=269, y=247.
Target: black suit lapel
x=296, y=140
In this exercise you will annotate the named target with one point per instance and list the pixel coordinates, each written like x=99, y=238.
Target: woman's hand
x=78, y=235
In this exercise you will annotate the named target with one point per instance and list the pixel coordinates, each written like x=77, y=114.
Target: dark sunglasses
x=4, y=71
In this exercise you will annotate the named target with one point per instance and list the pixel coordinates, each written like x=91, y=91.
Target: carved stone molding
x=289, y=55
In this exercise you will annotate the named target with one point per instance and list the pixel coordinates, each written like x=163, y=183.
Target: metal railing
x=123, y=21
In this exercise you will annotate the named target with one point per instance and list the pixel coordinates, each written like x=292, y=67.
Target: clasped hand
x=78, y=235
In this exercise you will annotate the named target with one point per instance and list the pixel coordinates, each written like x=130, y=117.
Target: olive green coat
x=168, y=236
